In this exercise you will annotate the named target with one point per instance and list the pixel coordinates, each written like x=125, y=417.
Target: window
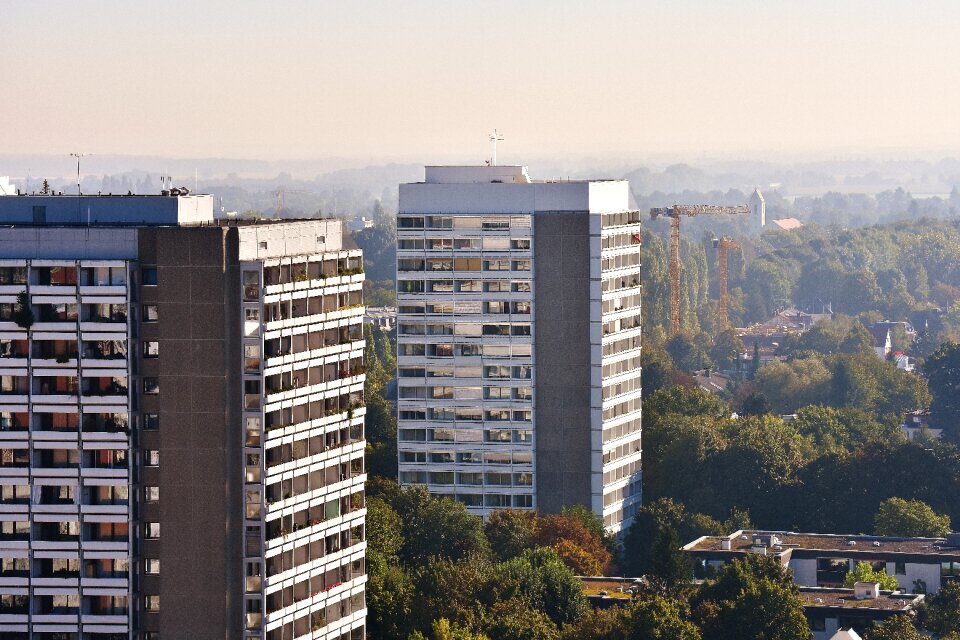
x=151, y=530
x=262, y=245
x=151, y=566
x=151, y=349
x=151, y=421
x=151, y=493
x=152, y=603
x=151, y=457
x=149, y=276
x=150, y=313
x=151, y=385
x=900, y=568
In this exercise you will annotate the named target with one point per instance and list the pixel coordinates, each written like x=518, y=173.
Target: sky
x=421, y=79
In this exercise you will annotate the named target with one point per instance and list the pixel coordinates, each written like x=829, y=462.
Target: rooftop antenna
x=494, y=137
x=78, y=156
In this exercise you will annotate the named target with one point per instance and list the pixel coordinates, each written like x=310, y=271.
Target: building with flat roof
x=920, y=565
x=519, y=341
x=181, y=423
x=830, y=610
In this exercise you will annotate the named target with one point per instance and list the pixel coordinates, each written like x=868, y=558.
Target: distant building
x=758, y=209
x=787, y=224
x=917, y=422
x=381, y=317
x=6, y=188
x=852, y=611
x=518, y=341
x=823, y=560
x=882, y=342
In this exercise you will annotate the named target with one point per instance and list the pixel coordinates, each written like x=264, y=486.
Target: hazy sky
x=413, y=78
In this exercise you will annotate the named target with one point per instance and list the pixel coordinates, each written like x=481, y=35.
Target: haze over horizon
x=396, y=80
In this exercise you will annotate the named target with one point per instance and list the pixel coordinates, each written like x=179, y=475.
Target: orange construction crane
x=723, y=246
x=674, y=213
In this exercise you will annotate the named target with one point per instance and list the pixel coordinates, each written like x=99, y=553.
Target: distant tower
x=758, y=207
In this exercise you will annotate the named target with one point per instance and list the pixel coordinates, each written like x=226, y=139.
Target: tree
x=513, y=620
x=659, y=618
x=687, y=353
x=726, y=349
x=755, y=403
x=390, y=595
x=437, y=526
x=864, y=572
x=910, y=518
x=540, y=576
x=940, y=613
x=670, y=568
x=899, y=627
x=511, y=532
x=22, y=311
x=753, y=598
x=793, y=384
x=942, y=370
x=558, y=527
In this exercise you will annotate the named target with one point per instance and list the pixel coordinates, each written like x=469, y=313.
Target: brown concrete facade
x=562, y=356
x=199, y=434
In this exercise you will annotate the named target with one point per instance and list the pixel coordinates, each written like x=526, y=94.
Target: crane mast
x=675, y=213
x=723, y=246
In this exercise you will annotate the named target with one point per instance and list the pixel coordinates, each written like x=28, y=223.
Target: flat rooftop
x=742, y=542
x=844, y=599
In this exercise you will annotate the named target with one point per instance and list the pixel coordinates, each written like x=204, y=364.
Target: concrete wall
x=605, y=196
x=199, y=436
x=68, y=243
x=107, y=210
x=562, y=356
x=290, y=239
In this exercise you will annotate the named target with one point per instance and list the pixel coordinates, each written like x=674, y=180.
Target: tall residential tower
x=181, y=423
x=519, y=341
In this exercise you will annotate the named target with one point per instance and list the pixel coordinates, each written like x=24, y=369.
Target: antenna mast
x=78, y=156
x=494, y=137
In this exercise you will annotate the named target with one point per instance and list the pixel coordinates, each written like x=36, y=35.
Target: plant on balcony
x=301, y=275
x=22, y=312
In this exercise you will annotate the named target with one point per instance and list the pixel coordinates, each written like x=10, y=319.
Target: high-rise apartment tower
x=181, y=423
x=519, y=341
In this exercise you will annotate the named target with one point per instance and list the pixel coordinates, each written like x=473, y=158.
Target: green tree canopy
x=899, y=627
x=940, y=612
x=864, y=572
x=910, y=518
x=943, y=374
x=753, y=598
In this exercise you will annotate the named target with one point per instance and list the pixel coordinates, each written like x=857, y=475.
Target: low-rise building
x=829, y=610
x=920, y=565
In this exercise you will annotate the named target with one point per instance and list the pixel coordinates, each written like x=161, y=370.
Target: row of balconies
x=305, y=523
x=327, y=271
x=291, y=455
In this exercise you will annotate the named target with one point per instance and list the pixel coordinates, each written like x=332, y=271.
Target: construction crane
x=723, y=246
x=279, y=193
x=675, y=213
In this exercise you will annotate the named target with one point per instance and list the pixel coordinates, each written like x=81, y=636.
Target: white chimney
x=866, y=590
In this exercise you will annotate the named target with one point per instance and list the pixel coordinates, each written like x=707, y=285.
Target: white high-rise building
x=519, y=341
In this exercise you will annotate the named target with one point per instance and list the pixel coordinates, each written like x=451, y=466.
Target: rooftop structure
x=823, y=560
x=852, y=611
x=178, y=208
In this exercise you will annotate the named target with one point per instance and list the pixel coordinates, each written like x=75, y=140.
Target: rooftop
x=783, y=542
x=845, y=599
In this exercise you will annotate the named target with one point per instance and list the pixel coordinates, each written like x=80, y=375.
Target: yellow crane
x=723, y=246
x=675, y=213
